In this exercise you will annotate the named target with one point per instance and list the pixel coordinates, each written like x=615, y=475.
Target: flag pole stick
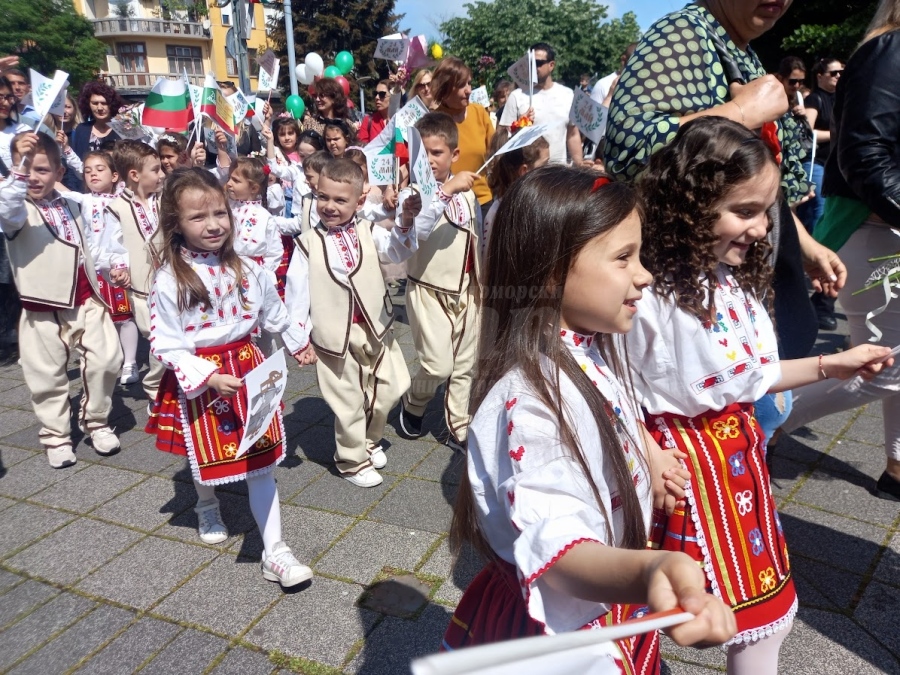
x=484, y=166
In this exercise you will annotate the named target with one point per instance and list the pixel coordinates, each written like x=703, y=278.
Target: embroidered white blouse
x=256, y=234
x=680, y=365
x=175, y=334
x=533, y=500
x=93, y=206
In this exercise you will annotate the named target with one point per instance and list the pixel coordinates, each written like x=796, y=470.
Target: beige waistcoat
x=144, y=255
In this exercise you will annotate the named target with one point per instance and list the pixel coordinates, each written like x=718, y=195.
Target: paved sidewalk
x=101, y=570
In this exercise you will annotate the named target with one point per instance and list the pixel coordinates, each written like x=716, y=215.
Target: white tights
x=757, y=658
x=128, y=336
x=264, y=505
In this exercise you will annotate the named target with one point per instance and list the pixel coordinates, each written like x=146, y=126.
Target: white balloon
x=315, y=64
x=303, y=74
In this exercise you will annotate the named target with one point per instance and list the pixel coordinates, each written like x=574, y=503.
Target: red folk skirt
x=209, y=431
x=730, y=523
x=281, y=271
x=493, y=609
x=116, y=298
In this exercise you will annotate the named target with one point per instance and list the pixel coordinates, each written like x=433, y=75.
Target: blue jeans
x=772, y=410
x=810, y=212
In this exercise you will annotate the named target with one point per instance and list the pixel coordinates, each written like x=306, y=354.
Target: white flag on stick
x=588, y=115
x=392, y=47
x=267, y=81
x=49, y=95
x=524, y=73
x=420, y=168
x=524, y=137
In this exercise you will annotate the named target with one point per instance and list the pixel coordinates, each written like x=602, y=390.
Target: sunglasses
x=795, y=81
x=835, y=73
x=381, y=94
x=541, y=62
x=424, y=84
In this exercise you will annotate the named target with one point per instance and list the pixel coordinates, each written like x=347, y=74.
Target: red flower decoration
x=600, y=182
x=769, y=135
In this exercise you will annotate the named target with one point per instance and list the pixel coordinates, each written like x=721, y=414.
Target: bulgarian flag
x=168, y=106
x=214, y=105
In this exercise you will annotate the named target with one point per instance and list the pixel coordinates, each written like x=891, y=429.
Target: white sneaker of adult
x=105, y=442
x=366, y=478
x=210, y=526
x=61, y=456
x=284, y=568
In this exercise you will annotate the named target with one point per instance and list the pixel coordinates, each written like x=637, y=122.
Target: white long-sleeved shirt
x=93, y=206
x=292, y=173
x=256, y=234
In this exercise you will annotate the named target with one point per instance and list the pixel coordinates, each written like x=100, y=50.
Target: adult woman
x=451, y=85
x=98, y=103
x=421, y=87
x=9, y=124
x=792, y=74
x=330, y=104
x=862, y=220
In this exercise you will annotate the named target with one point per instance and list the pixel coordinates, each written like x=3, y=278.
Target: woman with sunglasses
x=421, y=87
x=329, y=103
x=373, y=123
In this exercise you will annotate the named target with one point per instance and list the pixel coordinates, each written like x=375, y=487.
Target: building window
x=231, y=66
x=254, y=66
x=132, y=57
x=187, y=59
x=226, y=19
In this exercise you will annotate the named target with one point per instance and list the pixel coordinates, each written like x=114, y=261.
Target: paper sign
x=265, y=386
x=267, y=62
x=196, y=94
x=480, y=96
x=411, y=113
x=392, y=47
x=422, y=175
x=380, y=160
x=524, y=72
x=588, y=115
x=241, y=106
x=524, y=137
x=45, y=93
x=269, y=82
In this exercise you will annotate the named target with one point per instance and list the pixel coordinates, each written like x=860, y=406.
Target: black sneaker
x=888, y=487
x=410, y=425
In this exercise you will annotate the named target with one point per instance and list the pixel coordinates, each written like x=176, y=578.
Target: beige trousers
x=445, y=332
x=361, y=389
x=151, y=381
x=46, y=340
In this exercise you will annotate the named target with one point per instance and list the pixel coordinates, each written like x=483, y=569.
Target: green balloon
x=333, y=71
x=344, y=62
x=295, y=106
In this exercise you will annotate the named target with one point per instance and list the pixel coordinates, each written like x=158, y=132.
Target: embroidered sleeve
x=296, y=295
x=169, y=343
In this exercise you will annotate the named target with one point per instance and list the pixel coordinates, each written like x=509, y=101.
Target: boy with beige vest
x=442, y=295
x=133, y=215
x=53, y=258
x=336, y=293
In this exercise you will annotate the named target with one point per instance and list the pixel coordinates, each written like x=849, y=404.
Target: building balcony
x=137, y=84
x=134, y=27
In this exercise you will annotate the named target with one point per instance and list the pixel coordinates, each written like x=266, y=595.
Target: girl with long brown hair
x=703, y=349
x=560, y=479
x=206, y=302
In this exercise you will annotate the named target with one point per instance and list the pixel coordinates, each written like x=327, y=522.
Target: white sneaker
x=377, y=457
x=366, y=478
x=61, y=456
x=105, y=442
x=129, y=374
x=211, y=528
x=284, y=568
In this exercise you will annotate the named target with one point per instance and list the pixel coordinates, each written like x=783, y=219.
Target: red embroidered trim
x=534, y=577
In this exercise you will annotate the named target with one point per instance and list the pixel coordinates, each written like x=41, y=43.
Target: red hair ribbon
x=600, y=182
x=769, y=135
x=266, y=169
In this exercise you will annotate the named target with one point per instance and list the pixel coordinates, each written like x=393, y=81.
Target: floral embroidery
x=715, y=326
x=221, y=406
x=725, y=429
x=744, y=502
x=226, y=427
x=756, y=541
x=767, y=580
x=230, y=449
x=214, y=358
x=264, y=442
x=245, y=353
x=517, y=453
x=736, y=462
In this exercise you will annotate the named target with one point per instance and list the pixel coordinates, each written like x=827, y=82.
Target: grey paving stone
x=395, y=642
x=823, y=642
x=225, y=597
x=191, y=652
x=307, y=531
x=17, y=397
x=442, y=465
x=23, y=599
x=417, y=504
x=132, y=648
x=12, y=420
x=332, y=493
x=824, y=586
x=321, y=623
x=839, y=495
x=10, y=379
x=141, y=456
x=888, y=569
x=87, y=489
x=148, y=505
x=690, y=657
x=673, y=667
x=235, y=510
x=834, y=424
x=315, y=443
x=23, y=523
x=877, y=611
x=804, y=445
x=403, y=454
x=77, y=642
x=368, y=547
x=8, y=580
x=40, y=626
x=311, y=409
x=240, y=661
x=784, y=475
x=6, y=502
x=10, y=456
x=294, y=474
x=855, y=459
x=840, y=542
x=71, y=552
x=33, y=475
x=458, y=576
x=24, y=438
x=145, y=573
x=866, y=430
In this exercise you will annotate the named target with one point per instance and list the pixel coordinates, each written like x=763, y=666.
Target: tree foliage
x=330, y=26
x=49, y=35
x=577, y=29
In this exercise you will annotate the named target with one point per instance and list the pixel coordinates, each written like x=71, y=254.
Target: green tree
x=49, y=35
x=330, y=26
x=503, y=29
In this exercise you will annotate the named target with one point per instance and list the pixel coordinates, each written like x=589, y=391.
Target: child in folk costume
x=336, y=294
x=703, y=349
x=134, y=215
x=561, y=476
x=338, y=137
x=54, y=258
x=174, y=152
x=442, y=291
x=205, y=302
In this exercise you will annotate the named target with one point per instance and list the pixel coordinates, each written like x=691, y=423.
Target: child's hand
x=389, y=197
x=461, y=182
x=24, y=147
x=530, y=114
x=676, y=580
x=412, y=207
x=198, y=155
x=865, y=360
x=306, y=357
x=267, y=112
x=225, y=386
x=221, y=140
x=669, y=483
x=266, y=131
x=120, y=277
x=62, y=139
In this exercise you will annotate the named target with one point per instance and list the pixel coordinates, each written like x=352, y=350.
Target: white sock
x=265, y=508
x=128, y=336
x=206, y=494
x=757, y=658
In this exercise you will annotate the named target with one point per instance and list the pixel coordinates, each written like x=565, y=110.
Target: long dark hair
x=545, y=220
x=191, y=291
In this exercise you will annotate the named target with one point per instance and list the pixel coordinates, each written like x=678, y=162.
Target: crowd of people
x=620, y=330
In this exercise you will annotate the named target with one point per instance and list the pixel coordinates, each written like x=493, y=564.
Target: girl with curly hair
x=703, y=349
x=98, y=103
